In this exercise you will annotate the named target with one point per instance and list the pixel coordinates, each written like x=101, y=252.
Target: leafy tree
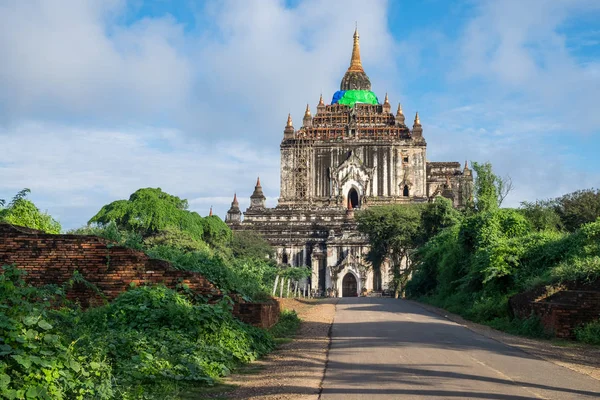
x=216, y=232
x=438, y=215
x=542, y=215
x=393, y=232
x=248, y=244
x=23, y=212
x=158, y=217
x=490, y=189
x=578, y=208
x=151, y=210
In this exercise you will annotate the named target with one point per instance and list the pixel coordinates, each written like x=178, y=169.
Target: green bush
x=23, y=212
x=287, y=326
x=474, y=267
x=39, y=358
x=589, y=333
x=251, y=278
x=151, y=342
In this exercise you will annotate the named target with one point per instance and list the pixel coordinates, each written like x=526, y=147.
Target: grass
x=216, y=392
x=589, y=333
x=287, y=327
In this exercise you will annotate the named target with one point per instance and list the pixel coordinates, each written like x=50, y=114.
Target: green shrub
x=287, y=326
x=158, y=339
x=589, y=333
x=150, y=342
x=39, y=359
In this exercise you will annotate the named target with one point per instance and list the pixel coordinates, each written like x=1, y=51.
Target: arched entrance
x=349, y=286
x=353, y=198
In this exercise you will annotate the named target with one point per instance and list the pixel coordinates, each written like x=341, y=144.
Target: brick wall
x=52, y=259
x=562, y=308
x=264, y=315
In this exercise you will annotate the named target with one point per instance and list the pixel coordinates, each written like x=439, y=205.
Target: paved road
x=392, y=349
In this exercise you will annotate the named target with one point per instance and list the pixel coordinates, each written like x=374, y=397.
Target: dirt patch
x=577, y=357
x=295, y=370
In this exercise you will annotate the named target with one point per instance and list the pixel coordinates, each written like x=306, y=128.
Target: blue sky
x=100, y=98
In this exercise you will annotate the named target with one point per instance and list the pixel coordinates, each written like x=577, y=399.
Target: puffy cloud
x=71, y=60
x=95, y=106
x=73, y=171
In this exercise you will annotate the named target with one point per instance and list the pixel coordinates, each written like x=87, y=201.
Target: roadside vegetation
x=150, y=342
x=471, y=262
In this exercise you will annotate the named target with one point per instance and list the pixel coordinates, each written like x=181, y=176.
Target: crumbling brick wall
x=561, y=309
x=264, y=315
x=53, y=259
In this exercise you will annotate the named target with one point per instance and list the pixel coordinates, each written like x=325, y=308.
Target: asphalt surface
x=385, y=348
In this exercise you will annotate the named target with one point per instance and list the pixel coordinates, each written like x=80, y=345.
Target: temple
x=352, y=154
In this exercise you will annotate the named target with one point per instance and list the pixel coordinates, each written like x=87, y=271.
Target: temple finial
x=399, y=112
x=466, y=165
x=307, y=112
x=417, y=121
x=355, y=63
x=289, y=121
x=321, y=102
x=235, y=200
x=210, y=212
x=386, y=101
x=258, y=182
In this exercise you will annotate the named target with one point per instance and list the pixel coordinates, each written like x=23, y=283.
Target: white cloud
x=83, y=169
x=92, y=109
x=69, y=59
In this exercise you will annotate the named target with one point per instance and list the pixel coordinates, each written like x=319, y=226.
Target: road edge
x=329, y=335
x=497, y=335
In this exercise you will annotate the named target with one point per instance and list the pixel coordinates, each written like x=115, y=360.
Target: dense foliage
x=152, y=212
x=287, y=326
x=395, y=231
x=23, y=212
x=471, y=262
x=151, y=342
x=159, y=224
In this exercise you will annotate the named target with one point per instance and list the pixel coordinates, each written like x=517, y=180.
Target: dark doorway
x=353, y=198
x=349, y=286
x=405, y=192
x=377, y=280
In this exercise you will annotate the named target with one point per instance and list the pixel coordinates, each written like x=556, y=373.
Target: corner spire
x=386, y=101
x=417, y=120
x=399, y=112
x=210, y=214
x=307, y=112
x=321, y=102
x=289, y=120
x=355, y=63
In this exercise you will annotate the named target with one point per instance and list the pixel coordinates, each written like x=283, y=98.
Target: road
x=384, y=348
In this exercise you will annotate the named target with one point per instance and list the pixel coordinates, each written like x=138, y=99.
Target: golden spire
x=386, y=101
x=321, y=102
x=355, y=64
x=289, y=121
x=210, y=213
x=258, y=182
x=466, y=165
x=399, y=112
x=417, y=121
x=307, y=112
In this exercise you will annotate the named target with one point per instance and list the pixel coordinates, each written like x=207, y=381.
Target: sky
x=101, y=98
